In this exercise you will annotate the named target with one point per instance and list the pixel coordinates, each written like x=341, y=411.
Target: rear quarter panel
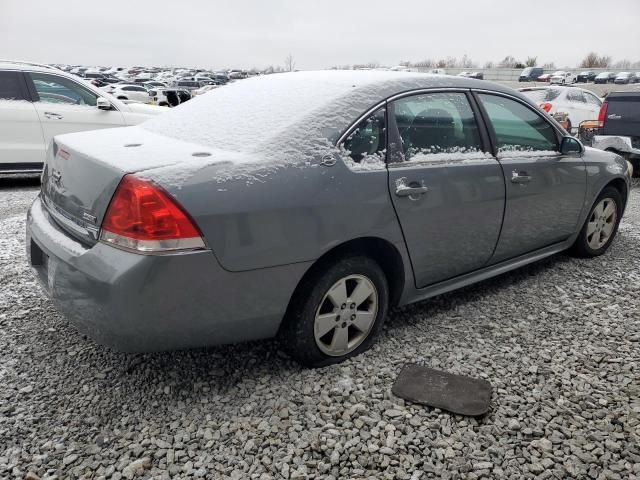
x=292, y=214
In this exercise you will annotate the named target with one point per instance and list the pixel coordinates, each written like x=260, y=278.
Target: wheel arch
x=381, y=251
x=621, y=186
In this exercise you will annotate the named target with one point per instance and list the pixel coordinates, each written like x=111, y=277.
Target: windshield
x=526, y=71
x=542, y=95
x=603, y=74
x=559, y=72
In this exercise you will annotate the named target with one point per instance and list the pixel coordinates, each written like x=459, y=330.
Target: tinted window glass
x=517, y=127
x=56, y=89
x=368, y=140
x=542, y=95
x=436, y=123
x=575, y=96
x=10, y=86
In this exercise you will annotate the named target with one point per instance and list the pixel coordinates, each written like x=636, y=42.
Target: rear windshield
x=542, y=95
x=242, y=115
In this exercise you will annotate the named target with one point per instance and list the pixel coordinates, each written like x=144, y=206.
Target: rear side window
x=592, y=99
x=542, y=95
x=517, y=127
x=436, y=123
x=367, y=143
x=10, y=86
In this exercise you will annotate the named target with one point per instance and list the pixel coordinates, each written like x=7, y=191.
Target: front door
x=65, y=106
x=447, y=192
x=545, y=190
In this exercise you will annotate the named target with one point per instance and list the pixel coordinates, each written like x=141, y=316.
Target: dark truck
x=618, y=128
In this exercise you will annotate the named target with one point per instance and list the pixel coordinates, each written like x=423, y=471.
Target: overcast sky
x=319, y=34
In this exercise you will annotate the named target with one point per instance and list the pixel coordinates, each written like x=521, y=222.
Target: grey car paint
x=264, y=235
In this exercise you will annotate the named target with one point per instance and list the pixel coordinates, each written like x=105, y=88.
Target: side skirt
x=485, y=273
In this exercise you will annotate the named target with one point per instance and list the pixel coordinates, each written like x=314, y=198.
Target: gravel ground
x=559, y=341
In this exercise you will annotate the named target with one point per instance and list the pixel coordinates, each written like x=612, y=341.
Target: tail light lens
x=142, y=217
x=546, y=106
x=602, y=114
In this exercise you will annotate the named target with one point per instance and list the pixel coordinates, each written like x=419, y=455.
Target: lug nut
x=343, y=306
x=353, y=305
x=353, y=317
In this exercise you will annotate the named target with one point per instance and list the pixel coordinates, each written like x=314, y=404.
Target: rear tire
x=601, y=225
x=336, y=313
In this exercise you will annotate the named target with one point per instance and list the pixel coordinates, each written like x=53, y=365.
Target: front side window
x=436, y=123
x=61, y=90
x=367, y=143
x=10, y=86
x=517, y=127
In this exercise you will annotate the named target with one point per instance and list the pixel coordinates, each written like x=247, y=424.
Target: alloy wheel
x=602, y=223
x=346, y=315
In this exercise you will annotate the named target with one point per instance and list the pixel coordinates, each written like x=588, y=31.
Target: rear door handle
x=50, y=115
x=520, y=177
x=413, y=189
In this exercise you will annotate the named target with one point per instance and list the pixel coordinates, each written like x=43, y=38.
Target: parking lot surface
x=558, y=340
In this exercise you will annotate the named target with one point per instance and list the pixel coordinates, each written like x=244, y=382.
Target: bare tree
x=466, y=62
x=289, y=63
x=531, y=61
x=508, y=62
x=593, y=60
x=625, y=64
x=428, y=63
x=488, y=64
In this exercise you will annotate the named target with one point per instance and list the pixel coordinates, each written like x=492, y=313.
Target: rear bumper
x=140, y=303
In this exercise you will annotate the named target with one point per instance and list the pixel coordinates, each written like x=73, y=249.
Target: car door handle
x=403, y=190
x=520, y=177
x=51, y=115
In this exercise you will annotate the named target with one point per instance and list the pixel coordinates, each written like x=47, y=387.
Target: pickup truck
x=619, y=127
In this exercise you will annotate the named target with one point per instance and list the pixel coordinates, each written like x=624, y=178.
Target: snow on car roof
x=243, y=115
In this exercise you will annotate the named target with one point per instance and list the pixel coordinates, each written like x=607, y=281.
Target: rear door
x=545, y=190
x=65, y=106
x=21, y=139
x=447, y=192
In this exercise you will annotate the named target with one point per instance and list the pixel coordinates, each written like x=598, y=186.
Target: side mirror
x=103, y=104
x=571, y=146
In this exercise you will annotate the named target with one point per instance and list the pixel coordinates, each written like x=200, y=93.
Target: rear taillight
x=546, y=106
x=142, y=217
x=602, y=114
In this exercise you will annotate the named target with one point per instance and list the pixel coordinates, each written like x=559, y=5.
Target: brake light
x=142, y=217
x=546, y=106
x=602, y=114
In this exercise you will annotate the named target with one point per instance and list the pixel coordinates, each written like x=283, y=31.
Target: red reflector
x=141, y=210
x=603, y=113
x=546, y=106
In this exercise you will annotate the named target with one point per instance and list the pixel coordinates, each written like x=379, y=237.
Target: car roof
x=26, y=66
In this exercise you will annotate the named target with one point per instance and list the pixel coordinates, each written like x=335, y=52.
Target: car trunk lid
x=83, y=170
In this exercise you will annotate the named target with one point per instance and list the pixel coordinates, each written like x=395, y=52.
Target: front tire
x=601, y=225
x=336, y=313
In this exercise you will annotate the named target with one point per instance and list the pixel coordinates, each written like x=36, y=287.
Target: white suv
x=38, y=102
x=136, y=93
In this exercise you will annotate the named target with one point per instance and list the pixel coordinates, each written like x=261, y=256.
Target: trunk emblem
x=88, y=217
x=56, y=175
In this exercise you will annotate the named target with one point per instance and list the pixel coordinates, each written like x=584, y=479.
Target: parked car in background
x=562, y=78
x=476, y=75
x=189, y=85
x=579, y=104
x=545, y=77
x=619, y=126
x=38, y=102
x=438, y=71
x=169, y=96
x=586, y=76
x=137, y=93
x=381, y=215
x=204, y=89
x=530, y=74
x=605, y=77
x=625, y=77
